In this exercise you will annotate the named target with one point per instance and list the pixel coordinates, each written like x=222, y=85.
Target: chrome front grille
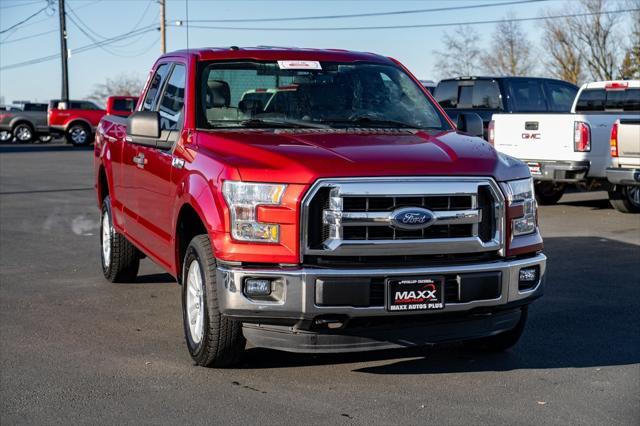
x=355, y=217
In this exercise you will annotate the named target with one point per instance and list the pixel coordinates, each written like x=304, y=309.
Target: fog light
x=528, y=277
x=257, y=287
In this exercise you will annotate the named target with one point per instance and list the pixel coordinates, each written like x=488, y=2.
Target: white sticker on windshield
x=299, y=65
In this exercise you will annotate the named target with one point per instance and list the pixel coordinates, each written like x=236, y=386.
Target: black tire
x=121, y=263
x=79, y=134
x=625, y=199
x=23, y=133
x=221, y=342
x=548, y=193
x=500, y=342
x=45, y=138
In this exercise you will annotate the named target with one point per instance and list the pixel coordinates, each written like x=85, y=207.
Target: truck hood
x=305, y=155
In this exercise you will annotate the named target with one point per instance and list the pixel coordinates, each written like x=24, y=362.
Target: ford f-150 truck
x=77, y=120
x=568, y=148
x=624, y=172
x=351, y=215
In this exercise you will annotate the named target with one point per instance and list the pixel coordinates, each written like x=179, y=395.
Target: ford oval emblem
x=412, y=218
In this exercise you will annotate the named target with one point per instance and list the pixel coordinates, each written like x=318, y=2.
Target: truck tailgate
x=535, y=136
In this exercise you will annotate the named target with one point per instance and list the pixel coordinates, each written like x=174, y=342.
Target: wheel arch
x=198, y=212
x=78, y=121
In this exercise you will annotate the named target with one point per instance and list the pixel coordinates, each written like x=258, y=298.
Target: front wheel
x=503, y=341
x=45, y=138
x=23, y=133
x=625, y=199
x=79, y=134
x=548, y=193
x=5, y=136
x=212, y=340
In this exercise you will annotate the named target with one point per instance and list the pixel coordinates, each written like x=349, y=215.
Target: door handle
x=140, y=160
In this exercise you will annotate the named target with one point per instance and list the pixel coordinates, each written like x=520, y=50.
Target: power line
x=27, y=18
x=10, y=6
x=394, y=27
x=363, y=15
x=82, y=6
x=82, y=48
x=28, y=37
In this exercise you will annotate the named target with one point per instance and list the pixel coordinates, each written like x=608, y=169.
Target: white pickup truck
x=624, y=172
x=572, y=147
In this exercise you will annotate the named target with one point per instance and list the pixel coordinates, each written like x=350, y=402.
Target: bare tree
x=461, y=54
x=564, y=59
x=630, y=67
x=121, y=85
x=588, y=43
x=510, y=53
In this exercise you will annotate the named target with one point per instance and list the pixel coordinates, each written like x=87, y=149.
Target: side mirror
x=143, y=128
x=470, y=123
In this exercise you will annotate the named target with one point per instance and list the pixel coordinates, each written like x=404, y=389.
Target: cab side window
x=172, y=101
x=154, y=87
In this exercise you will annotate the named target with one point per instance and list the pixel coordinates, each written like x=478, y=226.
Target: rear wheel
x=45, y=138
x=625, y=199
x=79, y=134
x=23, y=133
x=503, y=341
x=120, y=258
x=212, y=340
x=548, y=193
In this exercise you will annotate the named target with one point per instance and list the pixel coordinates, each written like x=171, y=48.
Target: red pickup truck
x=77, y=120
x=344, y=212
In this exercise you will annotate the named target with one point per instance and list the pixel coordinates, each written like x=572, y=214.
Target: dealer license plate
x=415, y=294
x=535, y=168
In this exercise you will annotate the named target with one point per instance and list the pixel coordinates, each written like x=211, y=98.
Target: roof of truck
x=271, y=53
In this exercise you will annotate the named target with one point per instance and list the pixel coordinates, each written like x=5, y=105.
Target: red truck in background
x=77, y=120
x=348, y=214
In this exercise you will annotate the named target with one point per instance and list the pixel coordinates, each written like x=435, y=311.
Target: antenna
x=186, y=7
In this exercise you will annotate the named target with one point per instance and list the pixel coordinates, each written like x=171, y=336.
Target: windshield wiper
x=372, y=121
x=291, y=124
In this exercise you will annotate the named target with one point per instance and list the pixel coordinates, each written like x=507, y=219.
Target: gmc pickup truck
x=350, y=214
x=570, y=148
x=624, y=172
x=503, y=95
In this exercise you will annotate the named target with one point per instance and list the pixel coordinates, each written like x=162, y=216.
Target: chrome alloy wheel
x=78, y=135
x=633, y=194
x=5, y=136
x=195, y=302
x=23, y=134
x=106, y=240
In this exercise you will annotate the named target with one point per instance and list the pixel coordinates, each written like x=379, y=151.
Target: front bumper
x=558, y=171
x=297, y=312
x=620, y=176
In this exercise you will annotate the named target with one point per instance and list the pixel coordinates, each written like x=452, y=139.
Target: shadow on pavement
x=35, y=148
x=159, y=278
x=589, y=316
x=597, y=204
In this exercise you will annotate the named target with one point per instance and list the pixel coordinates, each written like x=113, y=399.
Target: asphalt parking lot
x=77, y=349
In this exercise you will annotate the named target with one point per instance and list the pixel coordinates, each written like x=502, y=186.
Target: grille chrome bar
x=450, y=217
x=331, y=221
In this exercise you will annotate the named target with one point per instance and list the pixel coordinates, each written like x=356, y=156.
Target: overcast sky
x=109, y=18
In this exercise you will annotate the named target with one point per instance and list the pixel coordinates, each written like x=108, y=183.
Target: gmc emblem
x=531, y=136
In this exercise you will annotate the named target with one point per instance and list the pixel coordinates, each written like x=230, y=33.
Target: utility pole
x=163, y=31
x=63, y=52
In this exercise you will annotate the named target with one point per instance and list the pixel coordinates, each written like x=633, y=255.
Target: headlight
x=520, y=192
x=243, y=198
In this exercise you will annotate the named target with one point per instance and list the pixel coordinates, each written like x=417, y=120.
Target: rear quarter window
x=594, y=100
x=560, y=96
x=446, y=93
x=528, y=96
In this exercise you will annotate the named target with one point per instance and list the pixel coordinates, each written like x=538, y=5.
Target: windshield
x=331, y=95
